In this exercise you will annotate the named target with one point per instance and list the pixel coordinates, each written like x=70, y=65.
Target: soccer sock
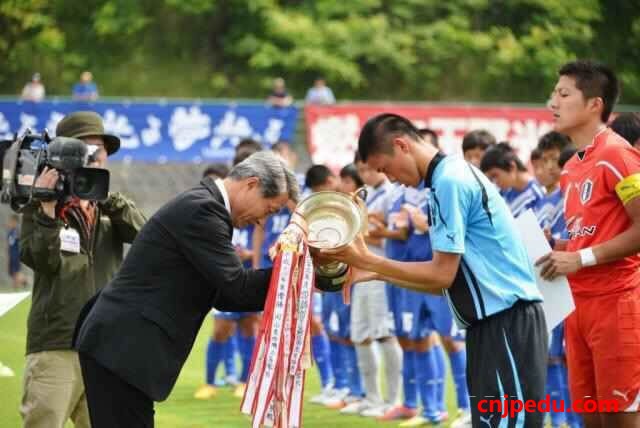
x=230, y=348
x=458, y=362
x=392, y=368
x=339, y=365
x=214, y=354
x=321, y=354
x=409, y=379
x=427, y=385
x=554, y=389
x=351, y=360
x=246, y=352
x=441, y=367
x=368, y=365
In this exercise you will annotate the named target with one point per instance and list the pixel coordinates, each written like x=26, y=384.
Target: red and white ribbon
x=275, y=386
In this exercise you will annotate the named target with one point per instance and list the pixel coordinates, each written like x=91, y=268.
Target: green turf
x=180, y=410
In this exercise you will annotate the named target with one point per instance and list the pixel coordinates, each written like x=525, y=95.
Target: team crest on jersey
x=585, y=191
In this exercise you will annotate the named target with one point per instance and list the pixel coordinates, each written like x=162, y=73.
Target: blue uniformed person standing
x=13, y=253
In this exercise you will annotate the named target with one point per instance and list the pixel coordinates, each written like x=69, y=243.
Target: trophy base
x=331, y=281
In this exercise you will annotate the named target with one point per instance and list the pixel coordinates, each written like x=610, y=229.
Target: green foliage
x=507, y=50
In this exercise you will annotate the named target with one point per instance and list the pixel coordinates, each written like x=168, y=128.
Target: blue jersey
x=274, y=226
x=419, y=244
x=468, y=217
x=550, y=214
x=13, y=244
x=243, y=238
x=520, y=201
x=395, y=249
x=378, y=199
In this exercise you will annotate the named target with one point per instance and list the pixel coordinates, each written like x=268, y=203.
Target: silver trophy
x=333, y=221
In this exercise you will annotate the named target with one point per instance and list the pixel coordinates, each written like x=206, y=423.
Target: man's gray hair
x=274, y=175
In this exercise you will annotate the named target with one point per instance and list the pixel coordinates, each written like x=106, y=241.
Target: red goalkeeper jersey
x=596, y=184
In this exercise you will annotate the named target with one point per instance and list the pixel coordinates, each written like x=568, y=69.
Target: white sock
x=368, y=366
x=392, y=368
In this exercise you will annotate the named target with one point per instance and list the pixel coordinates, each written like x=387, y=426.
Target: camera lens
x=82, y=184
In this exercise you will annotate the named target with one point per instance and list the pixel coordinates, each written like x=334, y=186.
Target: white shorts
x=370, y=315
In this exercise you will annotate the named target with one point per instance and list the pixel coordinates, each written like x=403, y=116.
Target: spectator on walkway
x=320, y=93
x=279, y=97
x=33, y=90
x=85, y=89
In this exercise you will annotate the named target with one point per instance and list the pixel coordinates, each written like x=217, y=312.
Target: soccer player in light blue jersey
x=479, y=263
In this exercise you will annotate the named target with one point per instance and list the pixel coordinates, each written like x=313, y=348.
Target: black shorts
x=507, y=355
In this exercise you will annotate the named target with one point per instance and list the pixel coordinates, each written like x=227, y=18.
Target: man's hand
x=558, y=263
x=47, y=180
x=355, y=254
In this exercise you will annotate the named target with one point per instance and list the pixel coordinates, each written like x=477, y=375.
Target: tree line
x=419, y=50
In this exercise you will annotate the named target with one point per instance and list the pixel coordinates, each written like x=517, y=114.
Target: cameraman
x=74, y=248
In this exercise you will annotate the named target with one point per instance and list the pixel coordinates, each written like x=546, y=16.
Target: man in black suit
x=134, y=337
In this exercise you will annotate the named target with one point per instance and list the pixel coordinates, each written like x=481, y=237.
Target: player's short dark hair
x=594, y=80
x=219, y=170
x=431, y=133
x=317, y=175
x=351, y=171
x=565, y=155
x=553, y=140
x=478, y=139
x=627, y=125
x=248, y=144
x=377, y=133
x=536, y=155
x=501, y=156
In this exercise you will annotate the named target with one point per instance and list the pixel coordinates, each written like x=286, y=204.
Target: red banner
x=332, y=131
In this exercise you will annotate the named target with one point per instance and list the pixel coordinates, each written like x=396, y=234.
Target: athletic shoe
x=416, y=421
x=239, y=391
x=337, y=402
x=205, y=392
x=357, y=407
x=231, y=381
x=463, y=420
x=398, y=412
x=376, y=411
x=326, y=393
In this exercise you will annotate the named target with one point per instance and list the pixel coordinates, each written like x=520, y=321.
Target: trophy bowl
x=333, y=220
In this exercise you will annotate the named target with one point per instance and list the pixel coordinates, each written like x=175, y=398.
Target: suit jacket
x=143, y=324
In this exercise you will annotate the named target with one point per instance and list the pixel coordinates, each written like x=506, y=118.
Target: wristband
x=587, y=257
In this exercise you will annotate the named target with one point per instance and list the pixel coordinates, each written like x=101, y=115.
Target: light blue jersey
x=469, y=217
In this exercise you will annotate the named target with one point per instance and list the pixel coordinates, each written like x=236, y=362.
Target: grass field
x=180, y=410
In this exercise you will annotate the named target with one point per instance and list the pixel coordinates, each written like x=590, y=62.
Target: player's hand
x=355, y=276
x=355, y=254
x=559, y=263
x=376, y=227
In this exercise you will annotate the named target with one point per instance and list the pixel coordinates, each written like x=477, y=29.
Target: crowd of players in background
x=413, y=333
